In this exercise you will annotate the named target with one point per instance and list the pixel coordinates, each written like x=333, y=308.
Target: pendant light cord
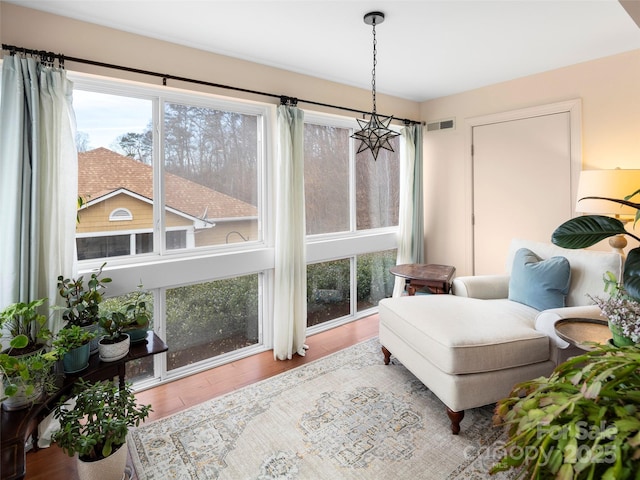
x=373, y=78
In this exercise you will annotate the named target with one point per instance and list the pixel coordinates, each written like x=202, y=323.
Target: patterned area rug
x=345, y=416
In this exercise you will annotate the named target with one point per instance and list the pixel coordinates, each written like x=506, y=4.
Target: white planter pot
x=110, y=468
x=21, y=400
x=110, y=352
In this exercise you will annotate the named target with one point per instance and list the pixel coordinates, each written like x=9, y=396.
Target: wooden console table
x=437, y=278
x=16, y=426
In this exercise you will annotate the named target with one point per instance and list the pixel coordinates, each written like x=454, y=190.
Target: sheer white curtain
x=38, y=180
x=290, y=288
x=411, y=220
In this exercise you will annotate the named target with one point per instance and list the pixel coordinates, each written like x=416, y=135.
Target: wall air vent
x=441, y=125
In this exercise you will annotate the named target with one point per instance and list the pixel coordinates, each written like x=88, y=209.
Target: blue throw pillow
x=538, y=283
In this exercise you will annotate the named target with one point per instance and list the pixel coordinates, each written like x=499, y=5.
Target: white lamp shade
x=616, y=184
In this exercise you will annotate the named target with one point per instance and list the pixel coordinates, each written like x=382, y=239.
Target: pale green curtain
x=411, y=217
x=38, y=180
x=290, y=287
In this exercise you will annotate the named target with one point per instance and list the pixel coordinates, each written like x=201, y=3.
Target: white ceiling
x=426, y=48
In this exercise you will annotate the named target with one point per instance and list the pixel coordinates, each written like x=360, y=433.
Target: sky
x=105, y=117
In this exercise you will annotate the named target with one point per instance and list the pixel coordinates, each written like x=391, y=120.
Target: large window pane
x=374, y=280
x=115, y=177
x=377, y=188
x=211, y=176
x=328, y=291
x=326, y=178
x=208, y=319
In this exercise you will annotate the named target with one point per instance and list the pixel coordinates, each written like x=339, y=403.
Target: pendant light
x=375, y=132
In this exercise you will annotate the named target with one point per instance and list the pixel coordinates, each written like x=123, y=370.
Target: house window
x=120, y=214
x=211, y=319
x=103, y=246
x=208, y=166
x=352, y=214
x=327, y=153
x=211, y=173
x=328, y=291
x=373, y=279
x=187, y=173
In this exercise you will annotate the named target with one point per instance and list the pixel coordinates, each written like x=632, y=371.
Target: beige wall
x=37, y=30
x=610, y=94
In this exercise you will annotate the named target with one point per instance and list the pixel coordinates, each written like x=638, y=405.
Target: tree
x=137, y=145
x=82, y=142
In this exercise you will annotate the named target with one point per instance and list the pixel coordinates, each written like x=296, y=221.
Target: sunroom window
x=189, y=174
x=351, y=213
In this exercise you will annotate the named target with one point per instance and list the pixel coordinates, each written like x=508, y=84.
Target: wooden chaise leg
x=456, y=418
x=387, y=355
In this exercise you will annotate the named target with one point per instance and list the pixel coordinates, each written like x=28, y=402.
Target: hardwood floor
x=53, y=464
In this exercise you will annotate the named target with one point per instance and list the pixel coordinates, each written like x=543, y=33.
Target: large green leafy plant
x=100, y=420
x=587, y=230
x=582, y=422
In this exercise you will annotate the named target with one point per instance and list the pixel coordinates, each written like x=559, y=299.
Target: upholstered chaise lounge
x=470, y=348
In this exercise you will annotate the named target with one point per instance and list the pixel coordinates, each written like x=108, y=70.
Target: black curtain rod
x=50, y=57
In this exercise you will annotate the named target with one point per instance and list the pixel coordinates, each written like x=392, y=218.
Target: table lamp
x=617, y=183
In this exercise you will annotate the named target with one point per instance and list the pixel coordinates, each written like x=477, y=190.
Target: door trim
x=573, y=107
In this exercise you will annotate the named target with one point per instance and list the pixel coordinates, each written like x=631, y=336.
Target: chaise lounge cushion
x=467, y=335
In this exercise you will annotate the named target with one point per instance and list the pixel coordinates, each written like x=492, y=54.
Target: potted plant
x=11, y=365
x=23, y=320
x=138, y=313
x=72, y=344
x=82, y=301
x=96, y=428
x=27, y=378
x=114, y=344
x=27, y=369
x=582, y=422
x=621, y=311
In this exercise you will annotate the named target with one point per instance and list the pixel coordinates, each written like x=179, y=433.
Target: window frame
x=158, y=96
x=168, y=269
x=327, y=247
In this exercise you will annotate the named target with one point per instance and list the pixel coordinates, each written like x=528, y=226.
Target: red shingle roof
x=102, y=171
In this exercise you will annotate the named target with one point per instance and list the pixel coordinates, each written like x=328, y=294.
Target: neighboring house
x=117, y=217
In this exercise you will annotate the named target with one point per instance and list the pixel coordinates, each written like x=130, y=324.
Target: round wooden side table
x=583, y=332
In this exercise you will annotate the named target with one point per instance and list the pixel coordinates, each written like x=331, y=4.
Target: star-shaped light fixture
x=375, y=133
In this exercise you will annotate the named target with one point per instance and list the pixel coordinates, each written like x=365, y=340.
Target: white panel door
x=521, y=184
